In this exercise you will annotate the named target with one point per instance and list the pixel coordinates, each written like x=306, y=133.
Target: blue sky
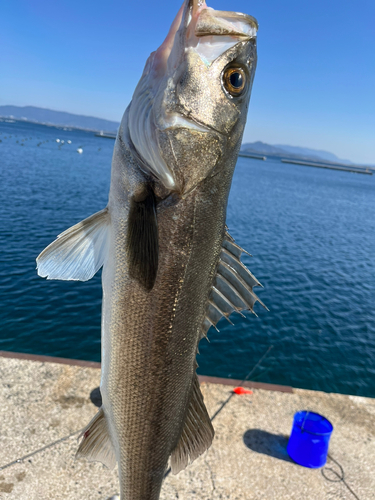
x=314, y=86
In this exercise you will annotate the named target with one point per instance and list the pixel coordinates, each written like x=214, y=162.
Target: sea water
x=311, y=233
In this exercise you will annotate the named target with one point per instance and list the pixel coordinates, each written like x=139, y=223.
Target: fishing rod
x=242, y=381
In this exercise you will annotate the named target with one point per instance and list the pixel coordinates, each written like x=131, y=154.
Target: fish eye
x=234, y=80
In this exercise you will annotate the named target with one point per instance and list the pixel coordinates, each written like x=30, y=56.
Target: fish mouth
x=206, y=21
x=211, y=32
x=222, y=23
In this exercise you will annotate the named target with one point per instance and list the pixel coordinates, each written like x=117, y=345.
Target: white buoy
x=69, y=142
x=62, y=142
x=80, y=150
x=57, y=140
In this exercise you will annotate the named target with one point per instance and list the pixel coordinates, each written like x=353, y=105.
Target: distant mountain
x=291, y=152
x=63, y=119
x=262, y=148
x=50, y=117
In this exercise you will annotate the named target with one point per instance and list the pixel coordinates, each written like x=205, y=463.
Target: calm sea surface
x=311, y=233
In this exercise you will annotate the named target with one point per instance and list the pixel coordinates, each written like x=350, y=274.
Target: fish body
x=170, y=268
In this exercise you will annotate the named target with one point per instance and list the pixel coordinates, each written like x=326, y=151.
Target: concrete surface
x=44, y=405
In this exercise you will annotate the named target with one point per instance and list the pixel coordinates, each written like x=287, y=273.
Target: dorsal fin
x=232, y=290
x=197, y=434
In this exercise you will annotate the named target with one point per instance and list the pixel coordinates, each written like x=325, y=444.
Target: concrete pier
x=44, y=405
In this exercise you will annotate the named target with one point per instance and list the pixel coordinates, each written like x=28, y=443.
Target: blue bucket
x=309, y=440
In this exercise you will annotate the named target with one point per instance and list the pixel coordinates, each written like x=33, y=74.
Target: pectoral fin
x=142, y=239
x=77, y=253
x=197, y=434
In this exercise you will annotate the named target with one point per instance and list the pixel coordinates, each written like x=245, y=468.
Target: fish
x=171, y=270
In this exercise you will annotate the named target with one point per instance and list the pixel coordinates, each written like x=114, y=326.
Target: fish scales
x=170, y=268
x=152, y=373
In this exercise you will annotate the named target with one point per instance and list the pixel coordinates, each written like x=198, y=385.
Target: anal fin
x=197, y=434
x=96, y=444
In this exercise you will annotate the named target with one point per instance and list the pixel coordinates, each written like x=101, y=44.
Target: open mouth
x=207, y=31
x=221, y=23
x=210, y=32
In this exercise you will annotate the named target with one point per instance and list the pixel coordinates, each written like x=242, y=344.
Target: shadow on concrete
x=96, y=397
x=264, y=442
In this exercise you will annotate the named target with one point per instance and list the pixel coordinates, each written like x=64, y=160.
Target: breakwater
x=255, y=157
x=343, y=168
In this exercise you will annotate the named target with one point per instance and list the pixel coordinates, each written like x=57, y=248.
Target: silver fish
x=170, y=268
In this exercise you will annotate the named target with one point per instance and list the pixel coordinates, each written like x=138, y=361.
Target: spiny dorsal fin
x=197, y=434
x=142, y=239
x=233, y=286
x=96, y=444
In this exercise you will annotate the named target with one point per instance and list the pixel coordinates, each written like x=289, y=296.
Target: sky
x=314, y=85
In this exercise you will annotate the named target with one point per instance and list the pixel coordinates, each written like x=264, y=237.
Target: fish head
x=190, y=107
